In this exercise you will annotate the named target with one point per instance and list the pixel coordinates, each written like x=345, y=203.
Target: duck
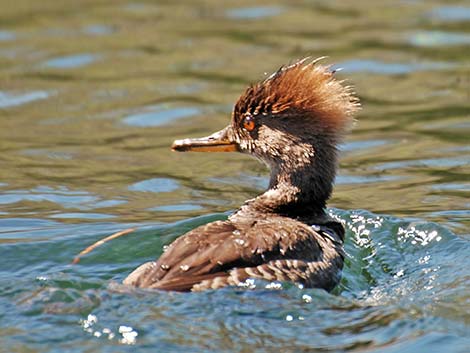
x=293, y=121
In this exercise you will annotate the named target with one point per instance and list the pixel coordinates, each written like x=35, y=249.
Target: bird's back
x=273, y=248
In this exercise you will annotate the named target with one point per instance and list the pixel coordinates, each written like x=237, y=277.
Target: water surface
x=93, y=94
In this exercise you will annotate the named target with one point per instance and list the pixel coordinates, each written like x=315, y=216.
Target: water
x=92, y=95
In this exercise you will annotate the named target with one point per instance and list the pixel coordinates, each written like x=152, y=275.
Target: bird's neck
x=297, y=190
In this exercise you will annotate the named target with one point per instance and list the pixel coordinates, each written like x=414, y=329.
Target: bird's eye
x=249, y=123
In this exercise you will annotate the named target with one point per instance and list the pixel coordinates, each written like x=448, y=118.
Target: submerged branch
x=101, y=242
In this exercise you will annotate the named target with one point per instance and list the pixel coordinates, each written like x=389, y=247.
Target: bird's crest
x=303, y=88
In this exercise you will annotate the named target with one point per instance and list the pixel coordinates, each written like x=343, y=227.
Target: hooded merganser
x=292, y=121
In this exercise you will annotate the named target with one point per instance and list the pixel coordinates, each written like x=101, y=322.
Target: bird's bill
x=217, y=142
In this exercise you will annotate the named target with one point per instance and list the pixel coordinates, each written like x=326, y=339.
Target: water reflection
x=160, y=115
x=451, y=13
x=98, y=29
x=8, y=99
x=6, y=35
x=155, y=185
x=378, y=67
x=177, y=208
x=438, y=39
x=71, y=61
x=253, y=13
x=92, y=97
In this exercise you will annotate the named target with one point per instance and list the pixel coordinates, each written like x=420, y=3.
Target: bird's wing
x=212, y=250
x=202, y=251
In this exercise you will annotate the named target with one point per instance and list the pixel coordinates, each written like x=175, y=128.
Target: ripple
x=245, y=180
x=11, y=99
x=155, y=185
x=438, y=38
x=62, y=196
x=396, y=258
x=431, y=163
x=10, y=197
x=18, y=224
x=7, y=36
x=160, y=115
x=78, y=215
x=363, y=179
x=455, y=214
x=451, y=13
x=254, y=13
x=177, y=208
x=48, y=153
x=109, y=203
x=460, y=124
x=451, y=187
x=98, y=30
x=389, y=68
x=360, y=145
x=71, y=61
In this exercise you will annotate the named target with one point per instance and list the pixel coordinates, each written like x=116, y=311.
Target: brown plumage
x=308, y=89
x=292, y=121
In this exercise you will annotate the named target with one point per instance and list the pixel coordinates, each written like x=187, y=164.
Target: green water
x=92, y=93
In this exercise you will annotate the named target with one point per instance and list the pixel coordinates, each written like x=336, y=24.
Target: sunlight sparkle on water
x=90, y=322
x=274, y=285
x=128, y=334
x=249, y=283
x=359, y=225
x=418, y=236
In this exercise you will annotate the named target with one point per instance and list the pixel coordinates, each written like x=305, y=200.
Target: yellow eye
x=249, y=123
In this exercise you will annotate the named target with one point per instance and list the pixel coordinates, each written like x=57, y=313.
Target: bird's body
x=292, y=121
x=267, y=246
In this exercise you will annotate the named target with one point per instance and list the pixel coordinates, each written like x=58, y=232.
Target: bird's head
x=283, y=117
x=292, y=120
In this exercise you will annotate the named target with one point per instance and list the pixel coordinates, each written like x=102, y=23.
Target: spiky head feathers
x=304, y=89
